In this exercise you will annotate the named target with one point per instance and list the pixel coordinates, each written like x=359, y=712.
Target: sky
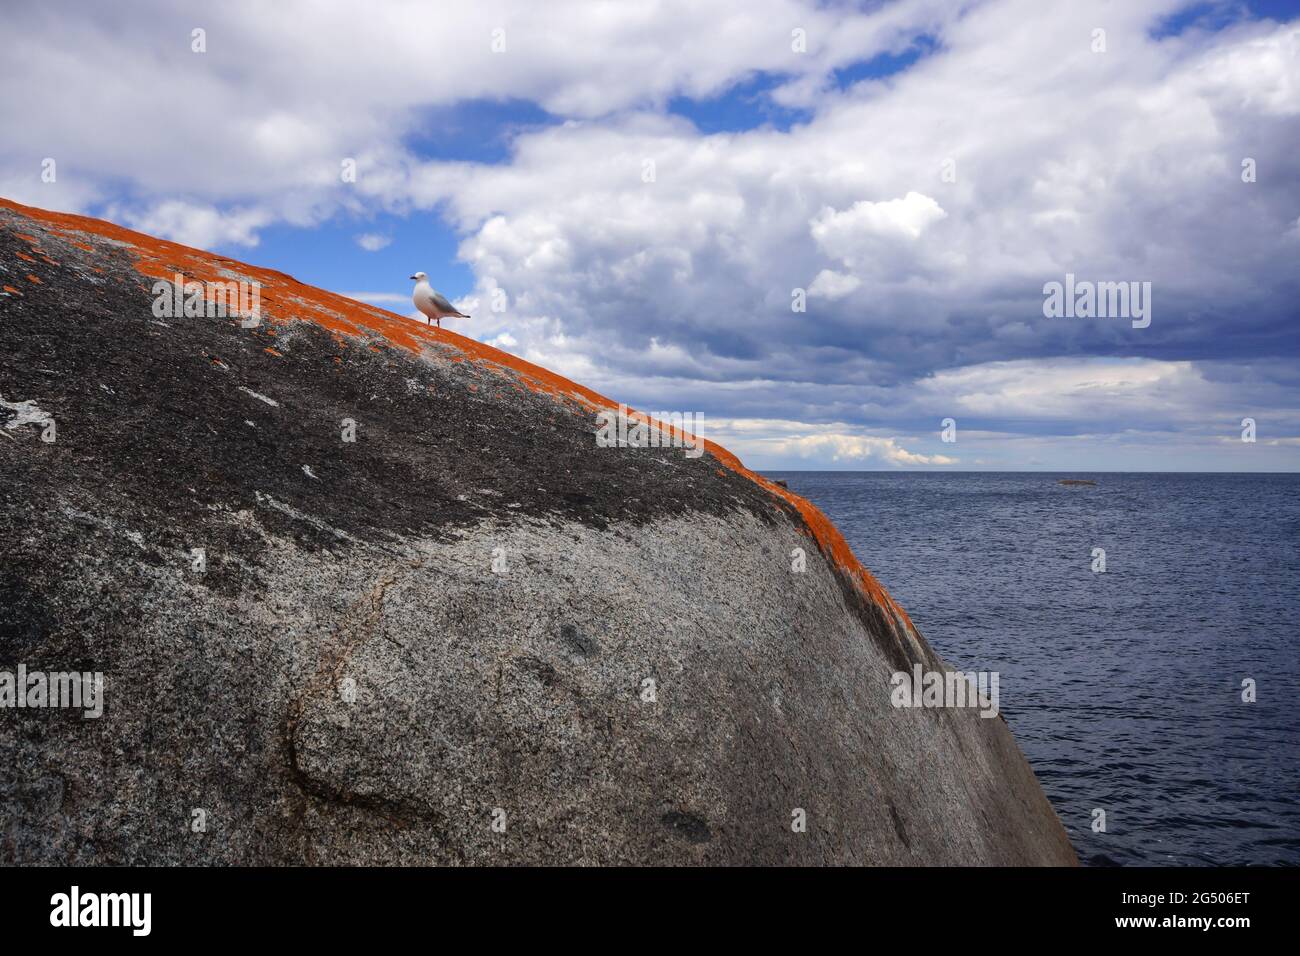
x=829, y=228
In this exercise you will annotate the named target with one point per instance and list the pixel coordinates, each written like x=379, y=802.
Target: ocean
x=1124, y=688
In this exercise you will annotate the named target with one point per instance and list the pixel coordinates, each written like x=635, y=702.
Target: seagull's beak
x=412, y=277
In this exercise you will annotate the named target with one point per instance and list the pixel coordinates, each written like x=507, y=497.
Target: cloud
x=857, y=448
x=1063, y=162
x=831, y=445
x=379, y=298
x=842, y=234
x=373, y=242
x=277, y=117
x=929, y=206
x=833, y=285
x=195, y=224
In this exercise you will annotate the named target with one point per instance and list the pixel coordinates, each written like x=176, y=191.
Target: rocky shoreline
x=467, y=635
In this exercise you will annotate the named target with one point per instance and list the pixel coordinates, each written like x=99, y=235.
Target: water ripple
x=1123, y=688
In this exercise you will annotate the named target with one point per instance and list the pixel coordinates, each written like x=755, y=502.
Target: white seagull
x=432, y=302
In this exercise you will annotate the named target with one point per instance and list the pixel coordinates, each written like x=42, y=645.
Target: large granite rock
x=469, y=636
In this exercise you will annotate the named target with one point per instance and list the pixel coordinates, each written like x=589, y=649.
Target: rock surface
x=469, y=615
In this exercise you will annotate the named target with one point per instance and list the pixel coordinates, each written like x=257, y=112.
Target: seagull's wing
x=441, y=302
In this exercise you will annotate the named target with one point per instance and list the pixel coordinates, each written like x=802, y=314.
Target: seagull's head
x=420, y=276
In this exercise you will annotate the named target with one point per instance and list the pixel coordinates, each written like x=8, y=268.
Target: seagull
x=432, y=302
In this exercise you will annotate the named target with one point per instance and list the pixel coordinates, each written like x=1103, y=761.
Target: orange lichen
x=285, y=299
x=272, y=351
x=32, y=278
x=11, y=290
x=25, y=257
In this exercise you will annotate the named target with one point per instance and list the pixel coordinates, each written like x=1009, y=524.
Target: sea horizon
x=1007, y=471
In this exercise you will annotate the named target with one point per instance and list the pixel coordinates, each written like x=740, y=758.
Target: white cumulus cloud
x=373, y=242
x=833, y=285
